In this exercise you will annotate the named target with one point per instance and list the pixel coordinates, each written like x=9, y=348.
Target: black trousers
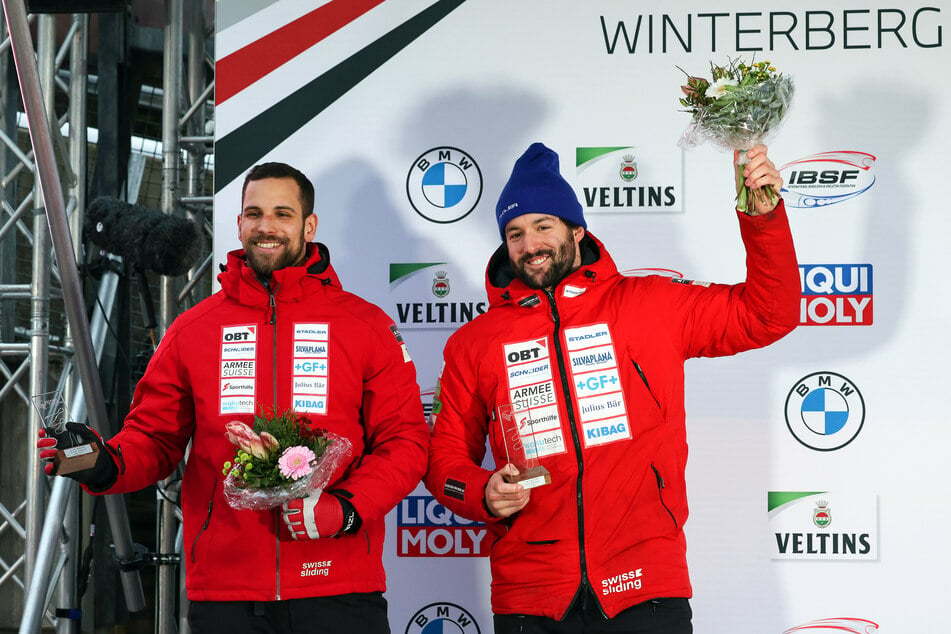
x=351, y=613
x=657, y=616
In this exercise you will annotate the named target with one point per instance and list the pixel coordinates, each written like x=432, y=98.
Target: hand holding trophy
x=66, y=450
x=518, y=434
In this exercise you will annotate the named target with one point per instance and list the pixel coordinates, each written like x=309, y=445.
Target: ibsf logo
x=825, y=411
x=444, y=184
x=835, y=294
x=827, y=178
x=426, y=528
x=836, y=626
x=442, y=618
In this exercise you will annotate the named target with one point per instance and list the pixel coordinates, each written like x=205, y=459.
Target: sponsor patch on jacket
x=622, y=582
x=680, y=280
x=237, y=369
x=597, y=381
x=573, y=291
x=454, y=489
x=529, y=301
x=310, y=367
x=399, y=340
x=532, y=393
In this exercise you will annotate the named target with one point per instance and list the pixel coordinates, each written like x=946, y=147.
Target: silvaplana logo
x=835, y=295
x=442, y=617
x=827, y=178
x=616, y=179
x=825, y=411
x=425, y=300
x=801, y=526
x=444, y=184
x=426, y=528
x=841, y=625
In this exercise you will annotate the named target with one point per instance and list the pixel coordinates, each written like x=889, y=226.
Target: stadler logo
x=444, y=184
x=825, y=411
x=827, y=178
x=442, y=618
x=837, y=625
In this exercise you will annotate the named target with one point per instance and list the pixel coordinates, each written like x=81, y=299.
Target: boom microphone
x=145, y=238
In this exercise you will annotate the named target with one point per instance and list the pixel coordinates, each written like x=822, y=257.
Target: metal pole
x=39, y=315
x=72, y=293
x=165, y=621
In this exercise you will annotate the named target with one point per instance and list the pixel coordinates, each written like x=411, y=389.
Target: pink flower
x=295, y=462
x=270, y=442
x=244, y=438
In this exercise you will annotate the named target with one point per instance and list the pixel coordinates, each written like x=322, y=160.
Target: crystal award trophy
x=71, y=454
x=518, y=435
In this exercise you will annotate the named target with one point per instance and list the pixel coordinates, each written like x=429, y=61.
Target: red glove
x=100, y=476
x=315, y=515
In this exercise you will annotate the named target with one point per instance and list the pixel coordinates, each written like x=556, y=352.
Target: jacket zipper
x=660, y=493
x=272, y=321
x=569, y=407
x=211, y=505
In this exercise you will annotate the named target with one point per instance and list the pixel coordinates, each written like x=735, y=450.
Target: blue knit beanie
x=536, y=186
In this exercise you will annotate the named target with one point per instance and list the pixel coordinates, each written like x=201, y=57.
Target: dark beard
x=263, y=267
x=562, y=263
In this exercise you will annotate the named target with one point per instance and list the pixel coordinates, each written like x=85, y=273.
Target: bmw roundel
x=444, y=184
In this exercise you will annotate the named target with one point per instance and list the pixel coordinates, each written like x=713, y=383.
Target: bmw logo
x=825, y=411
x=444, y=184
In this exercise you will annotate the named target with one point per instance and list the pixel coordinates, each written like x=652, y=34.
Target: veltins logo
x=615, y=179
x=426, y=528
x=442, y=618
x=425, y=299
x=825, y=411
x=835, y=295
x=845, y=625
x=444, y=184
x=827, y=178
x=801, y=525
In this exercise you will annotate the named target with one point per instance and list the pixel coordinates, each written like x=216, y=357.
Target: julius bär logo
x=825, y=411
x=444, y=184
x=442, y=618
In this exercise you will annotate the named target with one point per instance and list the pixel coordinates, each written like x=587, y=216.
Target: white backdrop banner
x=815, y=462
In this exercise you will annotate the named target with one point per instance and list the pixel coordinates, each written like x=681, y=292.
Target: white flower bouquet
x=282, y=458
x=737, y=108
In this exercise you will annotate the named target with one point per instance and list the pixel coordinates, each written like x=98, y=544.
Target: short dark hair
x=283, y=170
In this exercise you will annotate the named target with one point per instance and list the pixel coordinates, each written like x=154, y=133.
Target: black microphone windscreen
x=148, y=239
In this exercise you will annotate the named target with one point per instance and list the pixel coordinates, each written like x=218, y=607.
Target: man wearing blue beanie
x=591, y=363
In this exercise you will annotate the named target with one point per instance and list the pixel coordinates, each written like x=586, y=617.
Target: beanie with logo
x=536, y=186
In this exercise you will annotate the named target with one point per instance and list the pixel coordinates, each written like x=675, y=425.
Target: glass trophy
x=518, y=435
x=71, y=453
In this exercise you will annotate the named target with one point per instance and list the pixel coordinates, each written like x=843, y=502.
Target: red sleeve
x=723, y=319
x=455, y=477
x=397, y=437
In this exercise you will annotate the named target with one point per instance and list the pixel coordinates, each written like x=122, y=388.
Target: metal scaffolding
x=53, y=332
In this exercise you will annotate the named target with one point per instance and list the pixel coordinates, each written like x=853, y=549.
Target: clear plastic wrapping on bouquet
x=242, y=497
x=744, y=117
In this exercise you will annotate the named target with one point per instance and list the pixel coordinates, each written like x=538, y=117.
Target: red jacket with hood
x=247, y=346
x=597, y=365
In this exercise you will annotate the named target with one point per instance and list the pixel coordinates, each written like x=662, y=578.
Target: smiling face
x=271, y=226
x=542, y=249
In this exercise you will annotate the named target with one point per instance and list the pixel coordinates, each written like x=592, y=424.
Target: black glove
x=98, y=477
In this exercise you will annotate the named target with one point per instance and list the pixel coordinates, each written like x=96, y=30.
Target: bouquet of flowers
x=737, y=108
x=280, y=459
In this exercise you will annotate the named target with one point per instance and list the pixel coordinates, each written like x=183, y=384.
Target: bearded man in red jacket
x=315, y=564
x=591, y=362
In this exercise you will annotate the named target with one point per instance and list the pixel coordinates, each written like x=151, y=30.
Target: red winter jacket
x=237, y=349
x=598, y=365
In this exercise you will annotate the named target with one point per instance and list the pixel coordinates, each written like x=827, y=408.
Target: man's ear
x=310, y=227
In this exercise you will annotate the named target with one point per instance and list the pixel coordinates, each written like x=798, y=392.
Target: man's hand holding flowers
x=758, y=174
